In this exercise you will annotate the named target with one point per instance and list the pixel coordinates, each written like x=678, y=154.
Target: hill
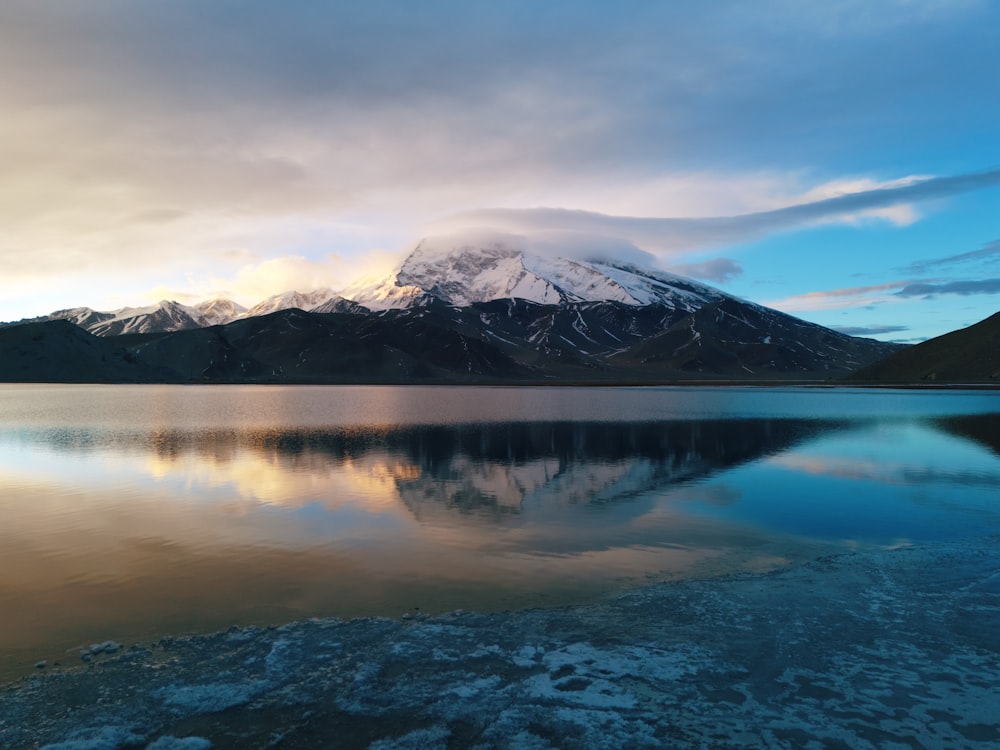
x=966, y=356
x=58, y=351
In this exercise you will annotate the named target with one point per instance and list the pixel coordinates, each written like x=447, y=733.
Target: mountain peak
x=461, y=271
x=220, y=311
x=287, y=300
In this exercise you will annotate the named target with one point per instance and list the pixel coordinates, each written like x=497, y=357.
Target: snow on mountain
x=386, y=295
x=166, y=315
x=220, y=311
x=81, y=316
x=458, y=271
x=461, y=273
x=338, y=304
x=288, y=300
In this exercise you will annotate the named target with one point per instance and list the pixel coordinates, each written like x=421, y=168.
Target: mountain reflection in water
x=479, y=472
x=132, y=527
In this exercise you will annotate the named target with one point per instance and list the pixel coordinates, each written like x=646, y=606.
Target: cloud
x=303, y=106
x=833, y=299
x=257, y=280
x=870, y=330
x=142, y=138
x=900, y=214
x=590, y=247
x=674, y=235
x=717, y=269
x=988, y=252
x=963, y=288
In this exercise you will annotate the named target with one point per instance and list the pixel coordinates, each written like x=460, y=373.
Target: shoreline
x=666, y=383
x=862, y=649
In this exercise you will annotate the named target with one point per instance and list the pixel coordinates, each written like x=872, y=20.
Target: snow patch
x=207, y=698
x=99, y=738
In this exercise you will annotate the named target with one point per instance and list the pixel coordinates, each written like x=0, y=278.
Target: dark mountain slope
x=733, y=339
x=545, y=338
x=495, y=341
x=725, y=340
x=60, y=352
x=968, y=355
x=300, y=347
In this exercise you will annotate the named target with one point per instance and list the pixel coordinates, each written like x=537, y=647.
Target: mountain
x=59, y=351
x=338, y=304
x=290, y=300
x=510, y=340
x=723, y=340
x=968, y=355
x=497, y=341
x=459, y=273
x=166, y=315
x=299, y=347
x=219, y=311
x=486, y=312
x=568, y=316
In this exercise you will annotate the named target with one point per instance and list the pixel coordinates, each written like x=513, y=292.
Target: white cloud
x=670, y=236
x=716, y=269
x=902, y=214
x=153, y=139
x=836, y=299
x=255, y=281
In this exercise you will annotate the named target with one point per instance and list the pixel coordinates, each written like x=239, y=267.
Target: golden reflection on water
x=131, y=535
x=138, y=512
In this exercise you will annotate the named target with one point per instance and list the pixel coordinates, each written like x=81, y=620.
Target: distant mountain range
x=167, y=315
x=453, y=312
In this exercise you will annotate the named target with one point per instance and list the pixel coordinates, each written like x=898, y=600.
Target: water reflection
x=129, y=528
x=983, y=428
x=480, y=472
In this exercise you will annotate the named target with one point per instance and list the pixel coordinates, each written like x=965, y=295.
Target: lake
x=133, y=512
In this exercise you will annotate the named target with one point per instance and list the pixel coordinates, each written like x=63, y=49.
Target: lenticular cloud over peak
x=673, y=235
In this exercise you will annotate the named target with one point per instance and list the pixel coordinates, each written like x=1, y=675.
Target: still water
x=132, y=512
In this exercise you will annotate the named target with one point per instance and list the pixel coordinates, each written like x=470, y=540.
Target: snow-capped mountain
x=166, y=315
x=460, y=274
x=452, y=271
x=220, y=311
x=490, y=310
x=288, y=300
x=338, y=304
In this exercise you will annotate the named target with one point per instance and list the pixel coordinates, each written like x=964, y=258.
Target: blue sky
x=837, y=160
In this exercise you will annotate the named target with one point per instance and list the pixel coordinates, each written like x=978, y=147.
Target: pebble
x=108, y=647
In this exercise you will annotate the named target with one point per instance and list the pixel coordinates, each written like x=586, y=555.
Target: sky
x=839, y=161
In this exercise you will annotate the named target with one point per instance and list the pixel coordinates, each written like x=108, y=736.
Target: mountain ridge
x=436, y=271
x=492, y=311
